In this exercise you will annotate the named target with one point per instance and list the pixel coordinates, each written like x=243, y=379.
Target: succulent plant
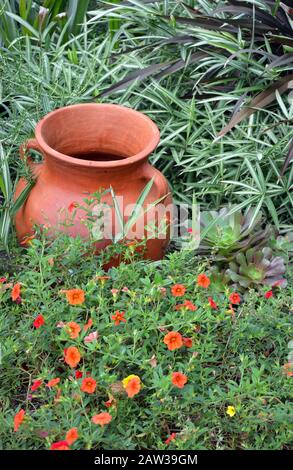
x=283, y=245
x=257, y=268
x=232, y=233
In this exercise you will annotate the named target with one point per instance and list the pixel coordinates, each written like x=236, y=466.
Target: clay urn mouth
x=97, y=135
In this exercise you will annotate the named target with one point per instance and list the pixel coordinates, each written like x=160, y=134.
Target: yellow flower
x=127, y=379
x=231, y=411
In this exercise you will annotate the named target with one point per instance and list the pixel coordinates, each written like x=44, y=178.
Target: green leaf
x=21, y=198
x=24, y=23
x=260, y=101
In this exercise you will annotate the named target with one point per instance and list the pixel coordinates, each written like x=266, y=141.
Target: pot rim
x=90, y=163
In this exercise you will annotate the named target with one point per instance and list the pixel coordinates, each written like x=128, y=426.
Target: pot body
x=124, y=138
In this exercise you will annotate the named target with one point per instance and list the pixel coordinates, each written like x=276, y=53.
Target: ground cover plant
x=194, y=351
x=205, y=369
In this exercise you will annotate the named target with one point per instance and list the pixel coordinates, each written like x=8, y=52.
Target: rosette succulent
x=226, y=234
x=283, y=245
x=257, y=268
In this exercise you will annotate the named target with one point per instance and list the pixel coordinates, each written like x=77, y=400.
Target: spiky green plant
x=226, y=232
x=36, y=19
x=255, y=268
x=8, y=205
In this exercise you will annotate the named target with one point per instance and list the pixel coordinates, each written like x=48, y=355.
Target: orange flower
x=88, y=325
x=71, y=436
x=235, y=298
x=178, y=290
x=73, y=329
x=60, y=445
x=118, y=318
x=72, y=356
x=178, y=379
x=39, y=321
x=18, y=419
x=15, y=293
x=88, y=385
x=27, y=240
x=102, y=418
x=188, y=305
x=132, y=385
x=203, y=281
x=75, y=296
x=173, y=340
x=53, y=382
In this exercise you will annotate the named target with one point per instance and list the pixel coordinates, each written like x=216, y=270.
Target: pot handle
x=29, y=144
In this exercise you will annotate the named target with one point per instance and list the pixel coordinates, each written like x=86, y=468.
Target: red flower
x=2, y=280
x=269, y=294
x=78, y=374
x=235, y=298
x=102, y=418
x=15, y=293
x=203, y=281
x=36, y=384
x=173, y=340
x=212, y=303
x=88, y=385
x=71, y=436
x=73, y=205
x=178, y=290
x=179, y=379
x=39, y=321
x=53, y=382
x=109, y=403
x=18, y=419
x=118, y=318
x=170, y=438
x=187, y=342
x=60, y=445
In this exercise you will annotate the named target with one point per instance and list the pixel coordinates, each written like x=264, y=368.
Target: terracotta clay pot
x=87, y=147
